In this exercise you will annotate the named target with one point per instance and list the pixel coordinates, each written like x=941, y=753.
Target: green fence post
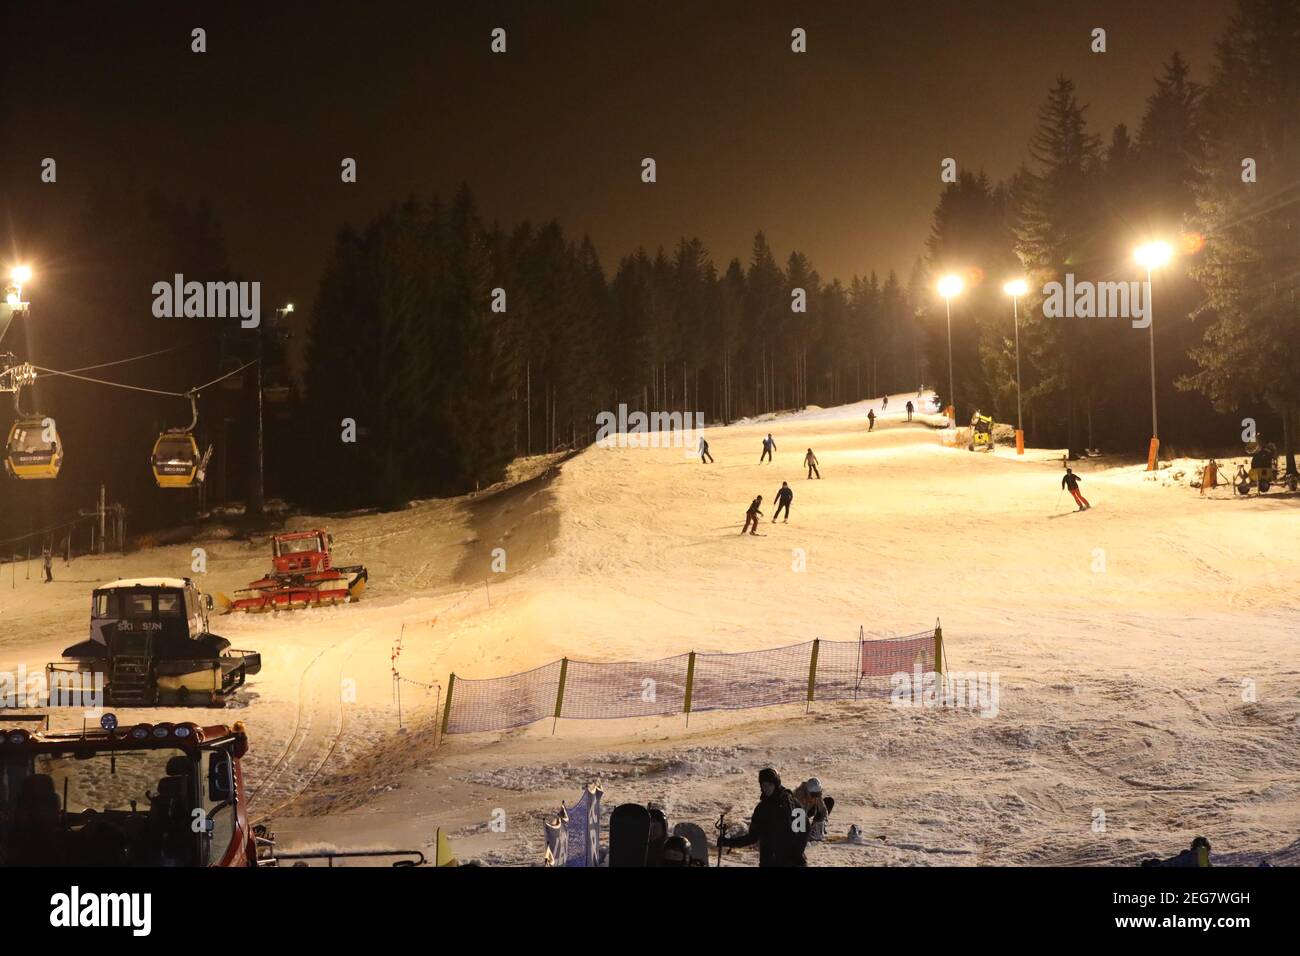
x=446, y=712
x=559, y=693
x=812, y=673
x=690, y=685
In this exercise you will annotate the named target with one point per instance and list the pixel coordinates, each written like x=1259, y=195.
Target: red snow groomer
x=124, y=796
x=141, y=795
x=302, y=576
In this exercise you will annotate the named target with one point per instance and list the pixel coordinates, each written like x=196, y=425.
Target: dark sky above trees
x=835, y=152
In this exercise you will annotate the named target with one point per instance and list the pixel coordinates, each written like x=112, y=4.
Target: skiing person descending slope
x=910, y=408
x=768, y=447
x=752, y=516
x=772, y=826
x=704, y=451
x=1071, y=481
x=871, y=419
x=810, y=462
x=783, y=498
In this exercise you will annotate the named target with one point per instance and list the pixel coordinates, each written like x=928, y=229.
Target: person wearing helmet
x=676, y=852
x=808, y=795
x=774, y=825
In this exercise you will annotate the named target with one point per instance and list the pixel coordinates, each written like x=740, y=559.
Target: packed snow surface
x=1144, y=650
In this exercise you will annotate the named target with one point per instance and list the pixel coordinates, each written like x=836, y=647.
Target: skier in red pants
x=1071, y=481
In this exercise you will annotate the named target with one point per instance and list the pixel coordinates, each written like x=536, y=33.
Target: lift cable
x=137, y=358
x=139, y=388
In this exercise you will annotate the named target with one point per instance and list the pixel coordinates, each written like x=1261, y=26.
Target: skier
x=704, y=451
x=772, y=826
x=871, y=419
x=810, y=460
x=783, y=498
x=910, y=409
x=768, y=447
x=47, y=564
x=817, y=806
x=1071, y=481
x=884, y=403
x=752, y=516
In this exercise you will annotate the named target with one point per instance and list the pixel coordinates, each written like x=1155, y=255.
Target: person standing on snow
x=1071, y=481
x=810, y=461
x=773, y=826
x=752, y=516
x=910, y=409
x=871, y=419
x=884, y=403
x=769, y=446
x=816, y=805
x=704, y=451
x=783, y=498
x=47, y=565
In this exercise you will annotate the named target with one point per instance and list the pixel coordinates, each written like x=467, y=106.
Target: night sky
x=835, y=152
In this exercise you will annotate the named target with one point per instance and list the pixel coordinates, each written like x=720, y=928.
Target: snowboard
x=694, y=835
x=629, y=835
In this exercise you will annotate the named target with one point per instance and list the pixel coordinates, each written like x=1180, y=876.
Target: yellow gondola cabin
x=34, y=450
x=176, y=460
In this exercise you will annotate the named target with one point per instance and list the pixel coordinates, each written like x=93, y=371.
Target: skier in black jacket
x=1071, y=481
x=784, y=495
x=773, y=825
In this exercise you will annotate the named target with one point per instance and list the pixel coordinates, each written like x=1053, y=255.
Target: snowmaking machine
x=1263, y=472
x=302, y=575
x=149, y=644
x=142, y=795
x=981, y=433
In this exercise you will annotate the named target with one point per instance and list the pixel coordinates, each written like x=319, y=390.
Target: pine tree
x=1251, y=349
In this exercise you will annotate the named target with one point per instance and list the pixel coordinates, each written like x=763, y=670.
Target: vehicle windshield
x=299, y=545
x=175, y=451
x=138, y=605
x=123, y=808
x=29, y=439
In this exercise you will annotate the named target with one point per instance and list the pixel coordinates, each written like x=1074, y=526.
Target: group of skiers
x=784, y=820
x=782, y=825
x=784, y=494
x=884, y=404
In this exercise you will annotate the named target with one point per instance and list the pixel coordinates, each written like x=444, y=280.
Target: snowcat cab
x=33, y=449
x=125, y=796
x=149, y=643
x=981, y=433
x=302, y=575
